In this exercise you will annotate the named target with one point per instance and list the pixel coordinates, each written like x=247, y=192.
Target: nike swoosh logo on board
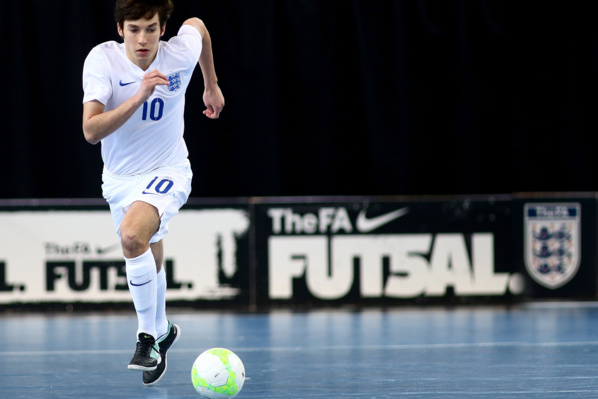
x=125, y=84
x=365, y=225
x=110, y=248
x=139, y=285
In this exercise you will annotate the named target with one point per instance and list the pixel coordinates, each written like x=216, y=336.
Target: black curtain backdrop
x=325, y=97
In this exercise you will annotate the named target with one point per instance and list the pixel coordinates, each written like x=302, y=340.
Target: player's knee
x=133, y=245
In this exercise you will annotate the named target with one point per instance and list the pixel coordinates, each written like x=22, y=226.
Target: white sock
x=161, y=320
x=142, y=280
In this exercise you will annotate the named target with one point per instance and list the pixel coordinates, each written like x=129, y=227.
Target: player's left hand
x=214, y=101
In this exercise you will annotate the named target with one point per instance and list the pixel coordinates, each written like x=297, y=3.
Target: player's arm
x=212, y=97
x=98, y=124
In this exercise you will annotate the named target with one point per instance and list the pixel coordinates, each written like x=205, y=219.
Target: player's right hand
x=149, y=83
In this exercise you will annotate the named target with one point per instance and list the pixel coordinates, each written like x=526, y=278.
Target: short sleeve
x=189, y=38
x=97, y=84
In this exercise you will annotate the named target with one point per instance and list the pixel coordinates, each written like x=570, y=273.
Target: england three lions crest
x=552, y=242
x=174, y=81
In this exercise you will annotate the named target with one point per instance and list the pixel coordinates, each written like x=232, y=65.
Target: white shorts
x=167, y=189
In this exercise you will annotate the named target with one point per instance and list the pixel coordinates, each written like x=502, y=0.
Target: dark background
x=324, y=97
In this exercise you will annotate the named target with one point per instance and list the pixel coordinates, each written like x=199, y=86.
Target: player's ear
x=120, y=30
x=162, y=30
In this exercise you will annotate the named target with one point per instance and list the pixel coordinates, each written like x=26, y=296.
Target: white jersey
x=153, y=136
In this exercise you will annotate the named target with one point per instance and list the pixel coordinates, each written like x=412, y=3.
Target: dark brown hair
x=131, y=10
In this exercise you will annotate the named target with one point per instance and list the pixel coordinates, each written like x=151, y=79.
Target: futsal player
x=133, y=103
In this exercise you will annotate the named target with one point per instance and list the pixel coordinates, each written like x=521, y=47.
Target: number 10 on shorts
x=161, y=187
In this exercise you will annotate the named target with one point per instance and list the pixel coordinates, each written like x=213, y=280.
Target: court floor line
x=321, y=348
x=434, y=394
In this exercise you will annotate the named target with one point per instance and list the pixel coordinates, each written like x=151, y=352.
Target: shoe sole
x=144, y=368
x=141, y=368
x=149, y=384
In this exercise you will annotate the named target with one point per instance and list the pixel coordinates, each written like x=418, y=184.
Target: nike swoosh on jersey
x=365, y=225
x=125, y=84
x=139, y=285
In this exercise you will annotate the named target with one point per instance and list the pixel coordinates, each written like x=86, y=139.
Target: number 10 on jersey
x=156, y=110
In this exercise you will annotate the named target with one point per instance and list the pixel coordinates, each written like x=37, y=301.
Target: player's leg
x=174, y=185
x=168, y=333
x=161, y=321
x=138, y=225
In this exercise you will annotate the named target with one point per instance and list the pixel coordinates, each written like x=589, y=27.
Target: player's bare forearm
x=213, y=98
x=98, y=124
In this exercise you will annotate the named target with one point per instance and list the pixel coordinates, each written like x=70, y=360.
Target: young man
x=134, y=103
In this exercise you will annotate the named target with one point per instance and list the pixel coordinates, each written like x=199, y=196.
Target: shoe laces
x=144, y=345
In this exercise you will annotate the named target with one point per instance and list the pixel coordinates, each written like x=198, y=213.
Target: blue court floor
x=545, y=350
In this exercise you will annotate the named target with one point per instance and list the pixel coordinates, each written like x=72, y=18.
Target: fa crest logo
x=174, y=81
x=552, y=242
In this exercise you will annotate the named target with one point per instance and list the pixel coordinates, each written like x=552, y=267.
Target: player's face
x=142, y=38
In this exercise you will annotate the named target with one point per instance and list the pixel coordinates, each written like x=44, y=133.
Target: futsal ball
x=218, y=373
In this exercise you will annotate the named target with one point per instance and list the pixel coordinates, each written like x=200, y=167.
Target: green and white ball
x=218, y=373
